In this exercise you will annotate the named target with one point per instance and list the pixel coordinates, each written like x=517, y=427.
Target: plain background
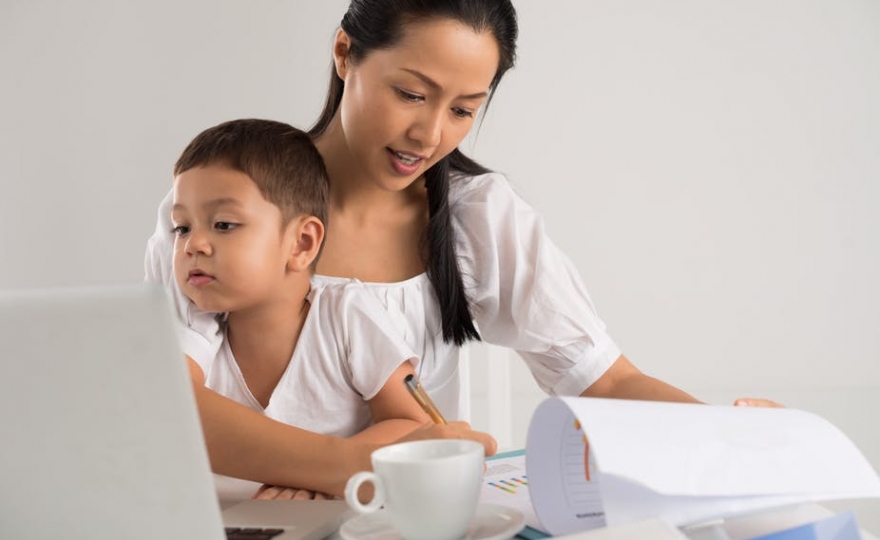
x=712, y=167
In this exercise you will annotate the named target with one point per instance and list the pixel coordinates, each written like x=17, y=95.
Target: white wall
x=713, y=167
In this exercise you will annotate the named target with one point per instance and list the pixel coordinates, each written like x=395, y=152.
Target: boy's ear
x=341, y=48
x=306, y=235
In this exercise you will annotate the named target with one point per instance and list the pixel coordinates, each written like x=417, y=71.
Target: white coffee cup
x=430, y=489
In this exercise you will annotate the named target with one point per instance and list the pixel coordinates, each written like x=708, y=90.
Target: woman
x=447, y=246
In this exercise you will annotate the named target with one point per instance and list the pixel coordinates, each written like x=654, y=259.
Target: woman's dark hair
x=379, y=24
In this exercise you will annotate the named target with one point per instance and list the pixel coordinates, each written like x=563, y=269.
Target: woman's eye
x=225, y=226
x=408, y=96
x=462, y=113
x=180, y=230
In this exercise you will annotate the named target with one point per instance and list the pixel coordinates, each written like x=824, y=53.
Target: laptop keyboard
x=234, y=533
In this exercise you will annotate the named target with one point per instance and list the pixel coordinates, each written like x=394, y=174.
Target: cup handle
x=351, y=490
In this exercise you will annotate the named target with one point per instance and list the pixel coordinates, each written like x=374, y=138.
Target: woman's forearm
x=624, y=381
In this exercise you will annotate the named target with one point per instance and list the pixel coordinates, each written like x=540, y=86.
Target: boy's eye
x=225, y=226
x=180, y=230
x=408, y=96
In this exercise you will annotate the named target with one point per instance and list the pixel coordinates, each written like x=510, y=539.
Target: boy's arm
x=245, y=444
x=377, y=349
x=395, y=413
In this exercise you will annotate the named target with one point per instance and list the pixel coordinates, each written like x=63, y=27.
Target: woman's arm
x=624, y=380
x=529, y=297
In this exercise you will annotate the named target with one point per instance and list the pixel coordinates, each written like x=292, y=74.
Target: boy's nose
x=198, y=244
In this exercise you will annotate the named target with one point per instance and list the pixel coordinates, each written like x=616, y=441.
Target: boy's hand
x=452, y=430
x=757, y=402
x=267, y=492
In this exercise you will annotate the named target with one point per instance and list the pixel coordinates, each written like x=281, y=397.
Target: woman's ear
x=341, y=48
x=305, y=235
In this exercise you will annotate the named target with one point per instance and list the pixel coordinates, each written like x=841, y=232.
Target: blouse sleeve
x=374, y=346
x=526, y=293
x=199, y=331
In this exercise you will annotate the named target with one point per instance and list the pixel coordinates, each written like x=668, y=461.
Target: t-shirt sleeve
x=374, y=346
x=526, y=293
x=199, y=331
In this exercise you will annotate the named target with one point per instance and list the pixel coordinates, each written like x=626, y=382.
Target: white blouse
x=525, y=294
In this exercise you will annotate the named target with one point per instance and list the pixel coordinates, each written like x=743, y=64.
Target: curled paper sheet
x=595, y=462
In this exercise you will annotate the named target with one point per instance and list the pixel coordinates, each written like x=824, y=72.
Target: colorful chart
x=510, y=485
x=587, y=464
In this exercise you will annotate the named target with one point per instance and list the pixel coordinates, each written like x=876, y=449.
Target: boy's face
x=229, y=250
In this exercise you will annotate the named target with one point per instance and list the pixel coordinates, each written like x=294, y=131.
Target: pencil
x=423, y=399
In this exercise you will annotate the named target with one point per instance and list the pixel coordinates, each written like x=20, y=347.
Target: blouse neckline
x=418, y=278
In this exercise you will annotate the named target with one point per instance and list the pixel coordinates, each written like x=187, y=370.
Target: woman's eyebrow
x=436, y=86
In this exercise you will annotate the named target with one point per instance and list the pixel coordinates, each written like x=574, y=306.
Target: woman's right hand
x=452, y=430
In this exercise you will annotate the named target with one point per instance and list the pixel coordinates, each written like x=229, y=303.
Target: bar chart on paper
x=509, y=485
x=506, y=483
x=578, y=471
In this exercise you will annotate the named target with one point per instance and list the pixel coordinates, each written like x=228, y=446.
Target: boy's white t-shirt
x=345, y=353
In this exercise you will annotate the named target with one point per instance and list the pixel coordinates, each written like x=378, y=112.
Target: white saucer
x=491, y=522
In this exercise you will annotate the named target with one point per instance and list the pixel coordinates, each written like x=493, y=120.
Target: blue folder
x=839, y=527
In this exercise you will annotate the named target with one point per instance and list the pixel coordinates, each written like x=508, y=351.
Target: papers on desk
x=593, y=462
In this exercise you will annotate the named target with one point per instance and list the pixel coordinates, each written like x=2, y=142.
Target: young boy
x=248, y=212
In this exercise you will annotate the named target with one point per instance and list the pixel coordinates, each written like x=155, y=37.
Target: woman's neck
x=373, y=234
x=355, y=194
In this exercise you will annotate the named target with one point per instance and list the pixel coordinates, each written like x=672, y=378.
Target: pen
x=423, y=399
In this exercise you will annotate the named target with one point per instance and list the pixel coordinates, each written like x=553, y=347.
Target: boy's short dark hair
x=281, y=160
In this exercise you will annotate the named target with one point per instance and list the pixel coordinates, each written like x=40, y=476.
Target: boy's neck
x=263, y=339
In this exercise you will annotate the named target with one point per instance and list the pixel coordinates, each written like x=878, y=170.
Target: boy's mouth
x=199, y=278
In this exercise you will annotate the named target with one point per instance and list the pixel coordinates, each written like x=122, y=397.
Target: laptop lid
x=101, y=435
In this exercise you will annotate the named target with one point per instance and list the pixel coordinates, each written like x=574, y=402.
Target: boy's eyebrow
x=433, y=84
x=212, y=204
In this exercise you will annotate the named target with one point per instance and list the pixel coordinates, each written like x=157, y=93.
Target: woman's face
x=405, y=108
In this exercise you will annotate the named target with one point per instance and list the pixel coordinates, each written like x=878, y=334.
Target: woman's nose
x=428, y=128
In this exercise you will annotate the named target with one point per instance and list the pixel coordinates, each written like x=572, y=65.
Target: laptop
x=100, y=430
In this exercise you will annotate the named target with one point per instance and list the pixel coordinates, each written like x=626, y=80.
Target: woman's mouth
x=406, y=159
x=405, y=163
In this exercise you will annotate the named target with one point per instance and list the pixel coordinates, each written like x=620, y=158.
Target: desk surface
x=867, y=511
